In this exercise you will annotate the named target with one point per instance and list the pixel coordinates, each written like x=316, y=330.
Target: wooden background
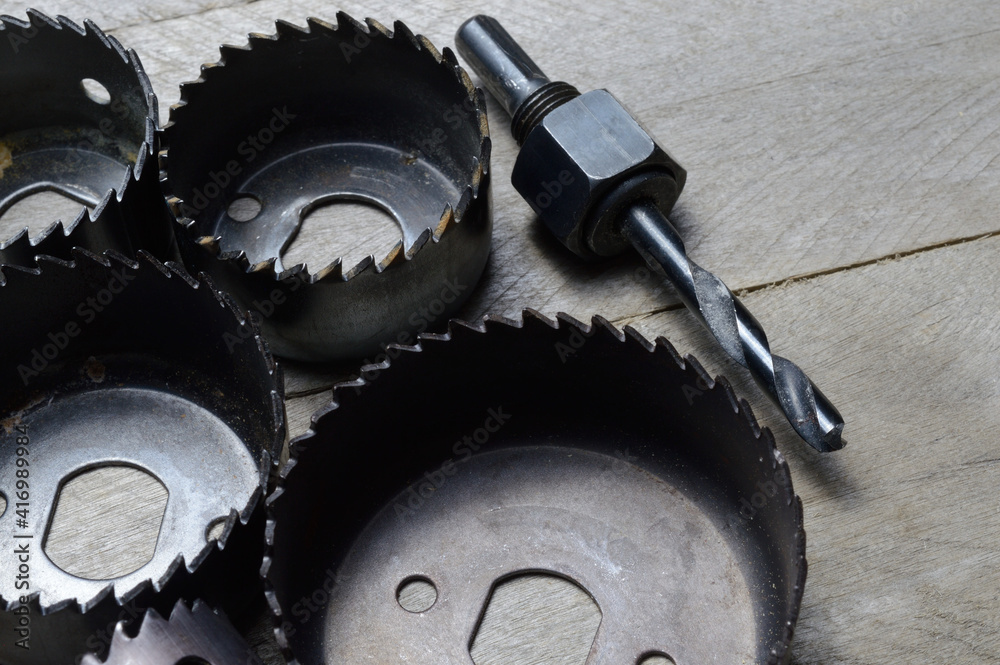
x=844, y=178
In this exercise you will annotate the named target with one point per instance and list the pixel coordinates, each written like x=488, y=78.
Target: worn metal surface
x=115, y=363
x=541, y=458
x=330, y=113
x=95, y=145
x=599, y=181
x=157, y=431
x=196, y=635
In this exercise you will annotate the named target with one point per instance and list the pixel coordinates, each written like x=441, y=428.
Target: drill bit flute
x=601, y=184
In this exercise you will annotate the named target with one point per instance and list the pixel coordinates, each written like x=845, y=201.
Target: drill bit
x=600, y=183
x=808, y=410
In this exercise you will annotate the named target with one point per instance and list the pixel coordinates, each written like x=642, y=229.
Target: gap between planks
x=805, y=277
x=324, y=388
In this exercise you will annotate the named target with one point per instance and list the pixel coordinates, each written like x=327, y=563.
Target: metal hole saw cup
x=570, y=449
x=115, y=362
x=58, y=135
x=320, y=113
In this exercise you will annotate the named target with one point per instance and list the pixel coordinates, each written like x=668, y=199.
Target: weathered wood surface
x=844, y=165
x=902, y=525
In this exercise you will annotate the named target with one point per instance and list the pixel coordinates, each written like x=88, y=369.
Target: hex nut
x=577, y=156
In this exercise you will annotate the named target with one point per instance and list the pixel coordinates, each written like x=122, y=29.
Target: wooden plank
x=879, y=138
x=902, y=524
x=115, y=15
x=819, y=139
x=300, y=409
x=808, y=150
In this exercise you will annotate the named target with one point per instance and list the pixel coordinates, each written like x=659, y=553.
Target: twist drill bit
x=600, y=183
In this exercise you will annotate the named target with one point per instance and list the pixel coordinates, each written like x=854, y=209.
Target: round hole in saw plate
x=416, y=594
x=96, y=91
x=244, y=208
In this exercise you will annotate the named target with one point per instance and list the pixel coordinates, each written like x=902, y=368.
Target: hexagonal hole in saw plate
x=106, y=522
x=524, y=613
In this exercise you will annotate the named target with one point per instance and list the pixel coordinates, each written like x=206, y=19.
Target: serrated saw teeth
x=401, y=31
x=190, y=635
x=95, y=146
x=378, y=27
x=319, y=25
x=40, y=20
x=614, y=433
x=286, y=29
x=345, y=20
x=131, y=362
x=421, y=240
x=291, y=120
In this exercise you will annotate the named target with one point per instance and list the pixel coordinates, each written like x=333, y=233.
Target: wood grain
x=514, y=632
x=90, y=525
x=844, y=177
x=902, y=525
x=110, y=16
